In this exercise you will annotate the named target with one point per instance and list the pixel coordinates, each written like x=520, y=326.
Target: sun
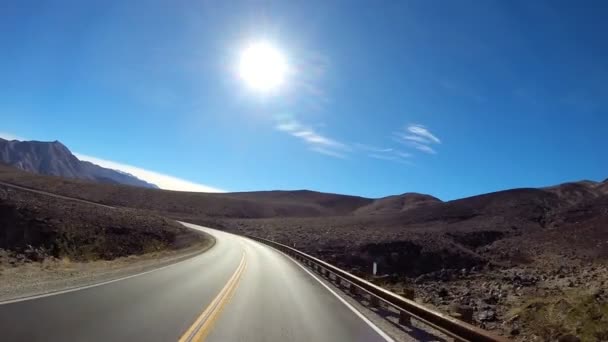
x=262, y=67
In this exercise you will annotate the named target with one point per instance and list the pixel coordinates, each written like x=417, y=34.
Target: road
x=239, y=290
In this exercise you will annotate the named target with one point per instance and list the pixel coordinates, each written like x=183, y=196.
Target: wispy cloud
x=328, y=152
x=420, y=131
x=423, y=147
x=383, y=153
x=418, y=137
x=318, y=143
x=370, y=148
x=392, y=158
x=161, y=180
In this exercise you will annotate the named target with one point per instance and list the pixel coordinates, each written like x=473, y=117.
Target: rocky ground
x=522, y=281
x=523, y=303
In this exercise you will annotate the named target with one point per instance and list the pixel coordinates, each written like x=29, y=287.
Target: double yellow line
x=202, y=326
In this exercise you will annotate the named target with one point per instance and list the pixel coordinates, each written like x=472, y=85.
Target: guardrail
x=407, y=309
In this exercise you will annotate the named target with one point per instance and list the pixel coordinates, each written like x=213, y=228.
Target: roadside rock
x=568, y=338
x=487, y=316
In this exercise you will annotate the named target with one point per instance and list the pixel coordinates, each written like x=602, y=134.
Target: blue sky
x=450, y=98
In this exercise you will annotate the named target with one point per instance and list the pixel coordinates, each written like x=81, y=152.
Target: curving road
x=239, y=290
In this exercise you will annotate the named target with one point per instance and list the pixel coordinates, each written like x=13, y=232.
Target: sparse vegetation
x=572, y=313
x=38, y=226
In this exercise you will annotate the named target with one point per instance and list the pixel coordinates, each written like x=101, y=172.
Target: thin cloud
x=318, y=142
x=382, y=153
x=316, y=139
x=423, y=132
x=422, y=147
x=392, y=158
x=418, y=137
x=328, y=152
x=370, y=148
x=161, y=180
x=403, y=154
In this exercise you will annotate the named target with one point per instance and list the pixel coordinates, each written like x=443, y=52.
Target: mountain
x=54, y=159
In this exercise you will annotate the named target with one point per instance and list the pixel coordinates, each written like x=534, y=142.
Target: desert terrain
x=530, y=264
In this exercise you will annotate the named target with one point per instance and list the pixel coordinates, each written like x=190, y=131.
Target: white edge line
x=384, y=335
x=23, y=299
x=73, y=289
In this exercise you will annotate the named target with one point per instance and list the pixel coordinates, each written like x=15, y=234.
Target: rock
x=408, y=293
x=514, y=332
x=487, y=316
x=492, y=300
x=443, y=292
x=568, y=338
x=462, y=312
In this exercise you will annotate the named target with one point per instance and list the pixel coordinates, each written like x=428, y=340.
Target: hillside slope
x=261, y=204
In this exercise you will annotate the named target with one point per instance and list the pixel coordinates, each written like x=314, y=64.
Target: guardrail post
x=404, y=318
x=374, y=301
x=408, y=293
x=354, y=290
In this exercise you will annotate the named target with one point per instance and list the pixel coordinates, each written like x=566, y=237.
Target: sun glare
x=263, y=67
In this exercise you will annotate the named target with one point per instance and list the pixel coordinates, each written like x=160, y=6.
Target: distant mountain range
x=55, y=159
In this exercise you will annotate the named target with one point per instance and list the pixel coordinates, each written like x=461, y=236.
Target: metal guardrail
x=448, y=325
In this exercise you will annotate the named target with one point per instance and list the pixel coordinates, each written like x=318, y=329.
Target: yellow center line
x=199, y=330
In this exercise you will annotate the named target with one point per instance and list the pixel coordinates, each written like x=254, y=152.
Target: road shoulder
x=29, y=279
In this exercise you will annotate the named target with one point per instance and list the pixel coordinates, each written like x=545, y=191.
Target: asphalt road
x=239, y=290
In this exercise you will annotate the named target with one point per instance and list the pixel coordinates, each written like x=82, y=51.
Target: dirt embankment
x=37, y=226
x=49, y=243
